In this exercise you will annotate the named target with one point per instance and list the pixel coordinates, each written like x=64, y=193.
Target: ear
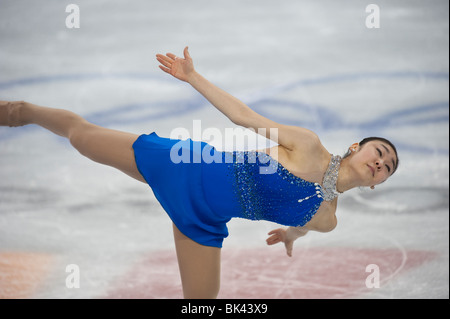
x=354, y=147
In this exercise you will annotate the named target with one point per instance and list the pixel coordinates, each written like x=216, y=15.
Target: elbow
x=237, y=120
x=328, y=226
x=331, y=225
x=241, y=117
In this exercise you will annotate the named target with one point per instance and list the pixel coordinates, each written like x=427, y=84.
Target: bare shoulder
x=308, y=152
x=306, y=140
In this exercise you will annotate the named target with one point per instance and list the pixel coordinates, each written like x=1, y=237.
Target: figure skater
x=300, y=192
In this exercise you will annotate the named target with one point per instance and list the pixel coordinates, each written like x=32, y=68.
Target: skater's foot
x=10, y=113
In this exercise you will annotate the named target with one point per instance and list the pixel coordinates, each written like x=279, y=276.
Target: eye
x=381, y=155
x=379, y=152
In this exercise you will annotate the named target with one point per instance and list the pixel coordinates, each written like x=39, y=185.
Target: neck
x=345, y=180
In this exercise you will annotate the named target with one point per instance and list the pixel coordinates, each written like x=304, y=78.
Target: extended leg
x=102, y=145
x=199, y=267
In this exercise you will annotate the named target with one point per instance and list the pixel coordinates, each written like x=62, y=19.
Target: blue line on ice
x=328, y=119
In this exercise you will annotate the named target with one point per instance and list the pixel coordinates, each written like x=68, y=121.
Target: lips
x=372, y=169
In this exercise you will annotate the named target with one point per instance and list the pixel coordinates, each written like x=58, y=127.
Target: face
x=374, y=162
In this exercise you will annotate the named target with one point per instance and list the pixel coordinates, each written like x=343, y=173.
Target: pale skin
x=299, y=150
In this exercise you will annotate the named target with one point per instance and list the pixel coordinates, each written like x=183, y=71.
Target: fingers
x=274, y=239
x=172, y=56
x=186, y=54
x=275, y=231
x=275, y=236
x=289, y=249
x=167, y=70
x=176, y=66
x=164, y=61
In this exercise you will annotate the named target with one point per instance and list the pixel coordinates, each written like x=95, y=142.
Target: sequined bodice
x=255, y=186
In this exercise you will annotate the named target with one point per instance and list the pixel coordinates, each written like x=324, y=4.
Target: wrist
x=296, y=232
x=192, y=77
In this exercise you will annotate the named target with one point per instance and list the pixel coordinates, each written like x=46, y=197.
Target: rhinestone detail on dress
x=330, y=178
x=280, y=197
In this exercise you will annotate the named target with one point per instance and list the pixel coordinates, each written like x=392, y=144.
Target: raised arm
x=238, y=112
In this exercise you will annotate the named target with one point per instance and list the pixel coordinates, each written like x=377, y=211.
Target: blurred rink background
x=308, y=63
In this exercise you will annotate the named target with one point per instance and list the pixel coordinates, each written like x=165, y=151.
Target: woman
x=300, y=192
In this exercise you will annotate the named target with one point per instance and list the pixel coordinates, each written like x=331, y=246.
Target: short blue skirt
x=178, y=186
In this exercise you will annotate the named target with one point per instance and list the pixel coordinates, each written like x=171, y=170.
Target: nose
x=379, y=164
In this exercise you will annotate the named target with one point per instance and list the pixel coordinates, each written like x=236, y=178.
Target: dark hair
x=381, y=139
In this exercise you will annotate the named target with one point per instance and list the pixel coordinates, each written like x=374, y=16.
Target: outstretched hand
x=281, y=235
x=180, y=68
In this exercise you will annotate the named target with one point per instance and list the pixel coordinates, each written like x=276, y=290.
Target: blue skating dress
x=202, y=188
